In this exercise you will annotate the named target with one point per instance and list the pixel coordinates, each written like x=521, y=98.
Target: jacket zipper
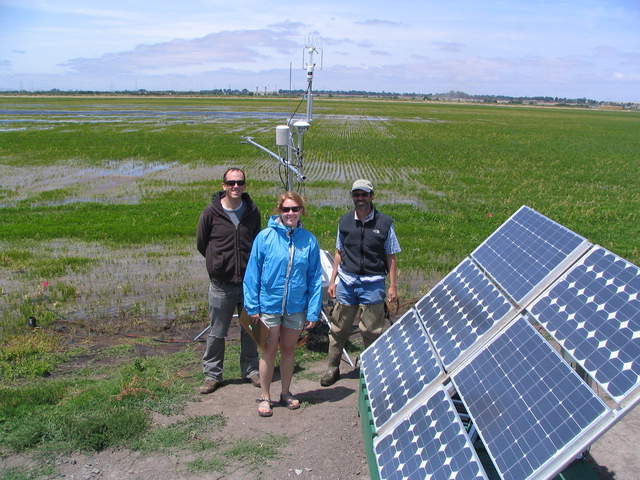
x=237, y=252
x=286, y=278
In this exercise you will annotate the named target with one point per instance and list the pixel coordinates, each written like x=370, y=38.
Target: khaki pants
x=371, y=325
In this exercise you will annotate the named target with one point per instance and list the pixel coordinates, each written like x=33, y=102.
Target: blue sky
x=588, y=48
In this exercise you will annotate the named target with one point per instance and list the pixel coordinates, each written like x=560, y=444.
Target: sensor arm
x=295, y=171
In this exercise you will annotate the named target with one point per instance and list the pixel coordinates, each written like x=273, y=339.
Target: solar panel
x=460, y=309
x=525, y=401
x=524, y=251
x=593, y=311
x=397, y=367
x=431, y=443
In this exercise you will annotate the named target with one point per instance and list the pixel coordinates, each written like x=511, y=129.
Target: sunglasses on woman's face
x=290, y=209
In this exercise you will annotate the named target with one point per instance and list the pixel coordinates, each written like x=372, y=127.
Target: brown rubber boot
x=330, y=377
x=332, y=374
x=209, y=385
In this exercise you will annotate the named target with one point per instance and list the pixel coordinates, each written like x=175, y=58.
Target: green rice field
x=99, y=196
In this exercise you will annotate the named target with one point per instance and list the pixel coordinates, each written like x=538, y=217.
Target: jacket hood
x=218, y=196
x=276, y=224
x=284, y=272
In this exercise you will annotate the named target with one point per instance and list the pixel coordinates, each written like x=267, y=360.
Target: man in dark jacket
x=366, y=248
x=225, y=235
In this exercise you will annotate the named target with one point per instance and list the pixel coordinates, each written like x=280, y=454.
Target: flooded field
x=99, y=198
x=102, y=289
x=146, y=283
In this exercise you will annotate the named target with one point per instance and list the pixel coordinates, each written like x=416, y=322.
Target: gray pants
x=224, y=299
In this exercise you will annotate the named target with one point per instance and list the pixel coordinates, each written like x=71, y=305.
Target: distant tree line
x=451, y=96
x=140, y=92
x=457, y=96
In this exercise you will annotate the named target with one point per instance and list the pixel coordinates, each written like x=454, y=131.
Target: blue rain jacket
x=284, y=274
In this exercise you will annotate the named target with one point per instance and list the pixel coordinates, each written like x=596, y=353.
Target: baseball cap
x=362, y=184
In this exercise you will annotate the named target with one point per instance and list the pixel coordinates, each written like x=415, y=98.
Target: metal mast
x=290, y=137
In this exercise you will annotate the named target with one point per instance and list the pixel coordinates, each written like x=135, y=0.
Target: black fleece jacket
x=225, y=247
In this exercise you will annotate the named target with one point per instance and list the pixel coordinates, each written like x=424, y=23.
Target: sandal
x=291, y=402
x=264, y=407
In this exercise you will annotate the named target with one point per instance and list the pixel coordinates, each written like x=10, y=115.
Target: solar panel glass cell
x=430, y=443
x=397, y=367
x=594, y=313
x=525, y=250
x=522, y=396
x=460, y=309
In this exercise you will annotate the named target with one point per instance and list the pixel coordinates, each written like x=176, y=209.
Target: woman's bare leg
x=288, y=340
x=267, y=360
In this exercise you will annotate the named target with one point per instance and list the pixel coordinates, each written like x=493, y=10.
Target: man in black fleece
x=225, y=235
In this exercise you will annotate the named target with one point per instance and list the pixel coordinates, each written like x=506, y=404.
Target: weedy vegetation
x=91, y=414
x=251, y=453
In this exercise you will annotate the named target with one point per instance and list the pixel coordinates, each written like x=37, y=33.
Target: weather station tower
x=290, y=136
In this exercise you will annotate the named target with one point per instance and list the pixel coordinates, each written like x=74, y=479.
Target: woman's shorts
x=294, y=321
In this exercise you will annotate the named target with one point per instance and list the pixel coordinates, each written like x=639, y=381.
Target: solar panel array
x=430, y=443
x=525, y=250
x=525, y=401
x=531, y=410
x=593, y=312
x=460, y=309
x=398, y=366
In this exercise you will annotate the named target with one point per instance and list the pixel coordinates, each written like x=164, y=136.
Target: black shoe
x=330, y=377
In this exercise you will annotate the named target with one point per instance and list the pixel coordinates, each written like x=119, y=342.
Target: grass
x=251, y=453
x=39, y=305
x=81, y=412
x=93, y=414
x=255, y=452
x=571, y=165
x=213, y=464
x=448, y=174
x=97, y=409
x=186, y=434
x=42, y=266
x=16, y=473
x=30, y=355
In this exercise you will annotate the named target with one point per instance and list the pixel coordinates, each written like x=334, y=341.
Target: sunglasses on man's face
x=290, y=209
x=359, y=194
x=231, y=183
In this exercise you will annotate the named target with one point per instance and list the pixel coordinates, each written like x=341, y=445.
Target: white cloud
x=450, y=47
x=377, y=23
x=230, y=47
x=520, y=47
x=626, y=77
x=287, y=25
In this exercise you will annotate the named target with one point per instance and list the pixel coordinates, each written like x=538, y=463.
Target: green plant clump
x=252, y=453
x=186, y=434
x=30, y=355
x=92, y=414
x=16, y=473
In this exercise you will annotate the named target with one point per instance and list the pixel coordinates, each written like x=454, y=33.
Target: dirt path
x=324, y=435
x=617, y=453
x=324, y=439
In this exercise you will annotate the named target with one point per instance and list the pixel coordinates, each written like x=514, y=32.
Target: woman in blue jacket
x=283, y=288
